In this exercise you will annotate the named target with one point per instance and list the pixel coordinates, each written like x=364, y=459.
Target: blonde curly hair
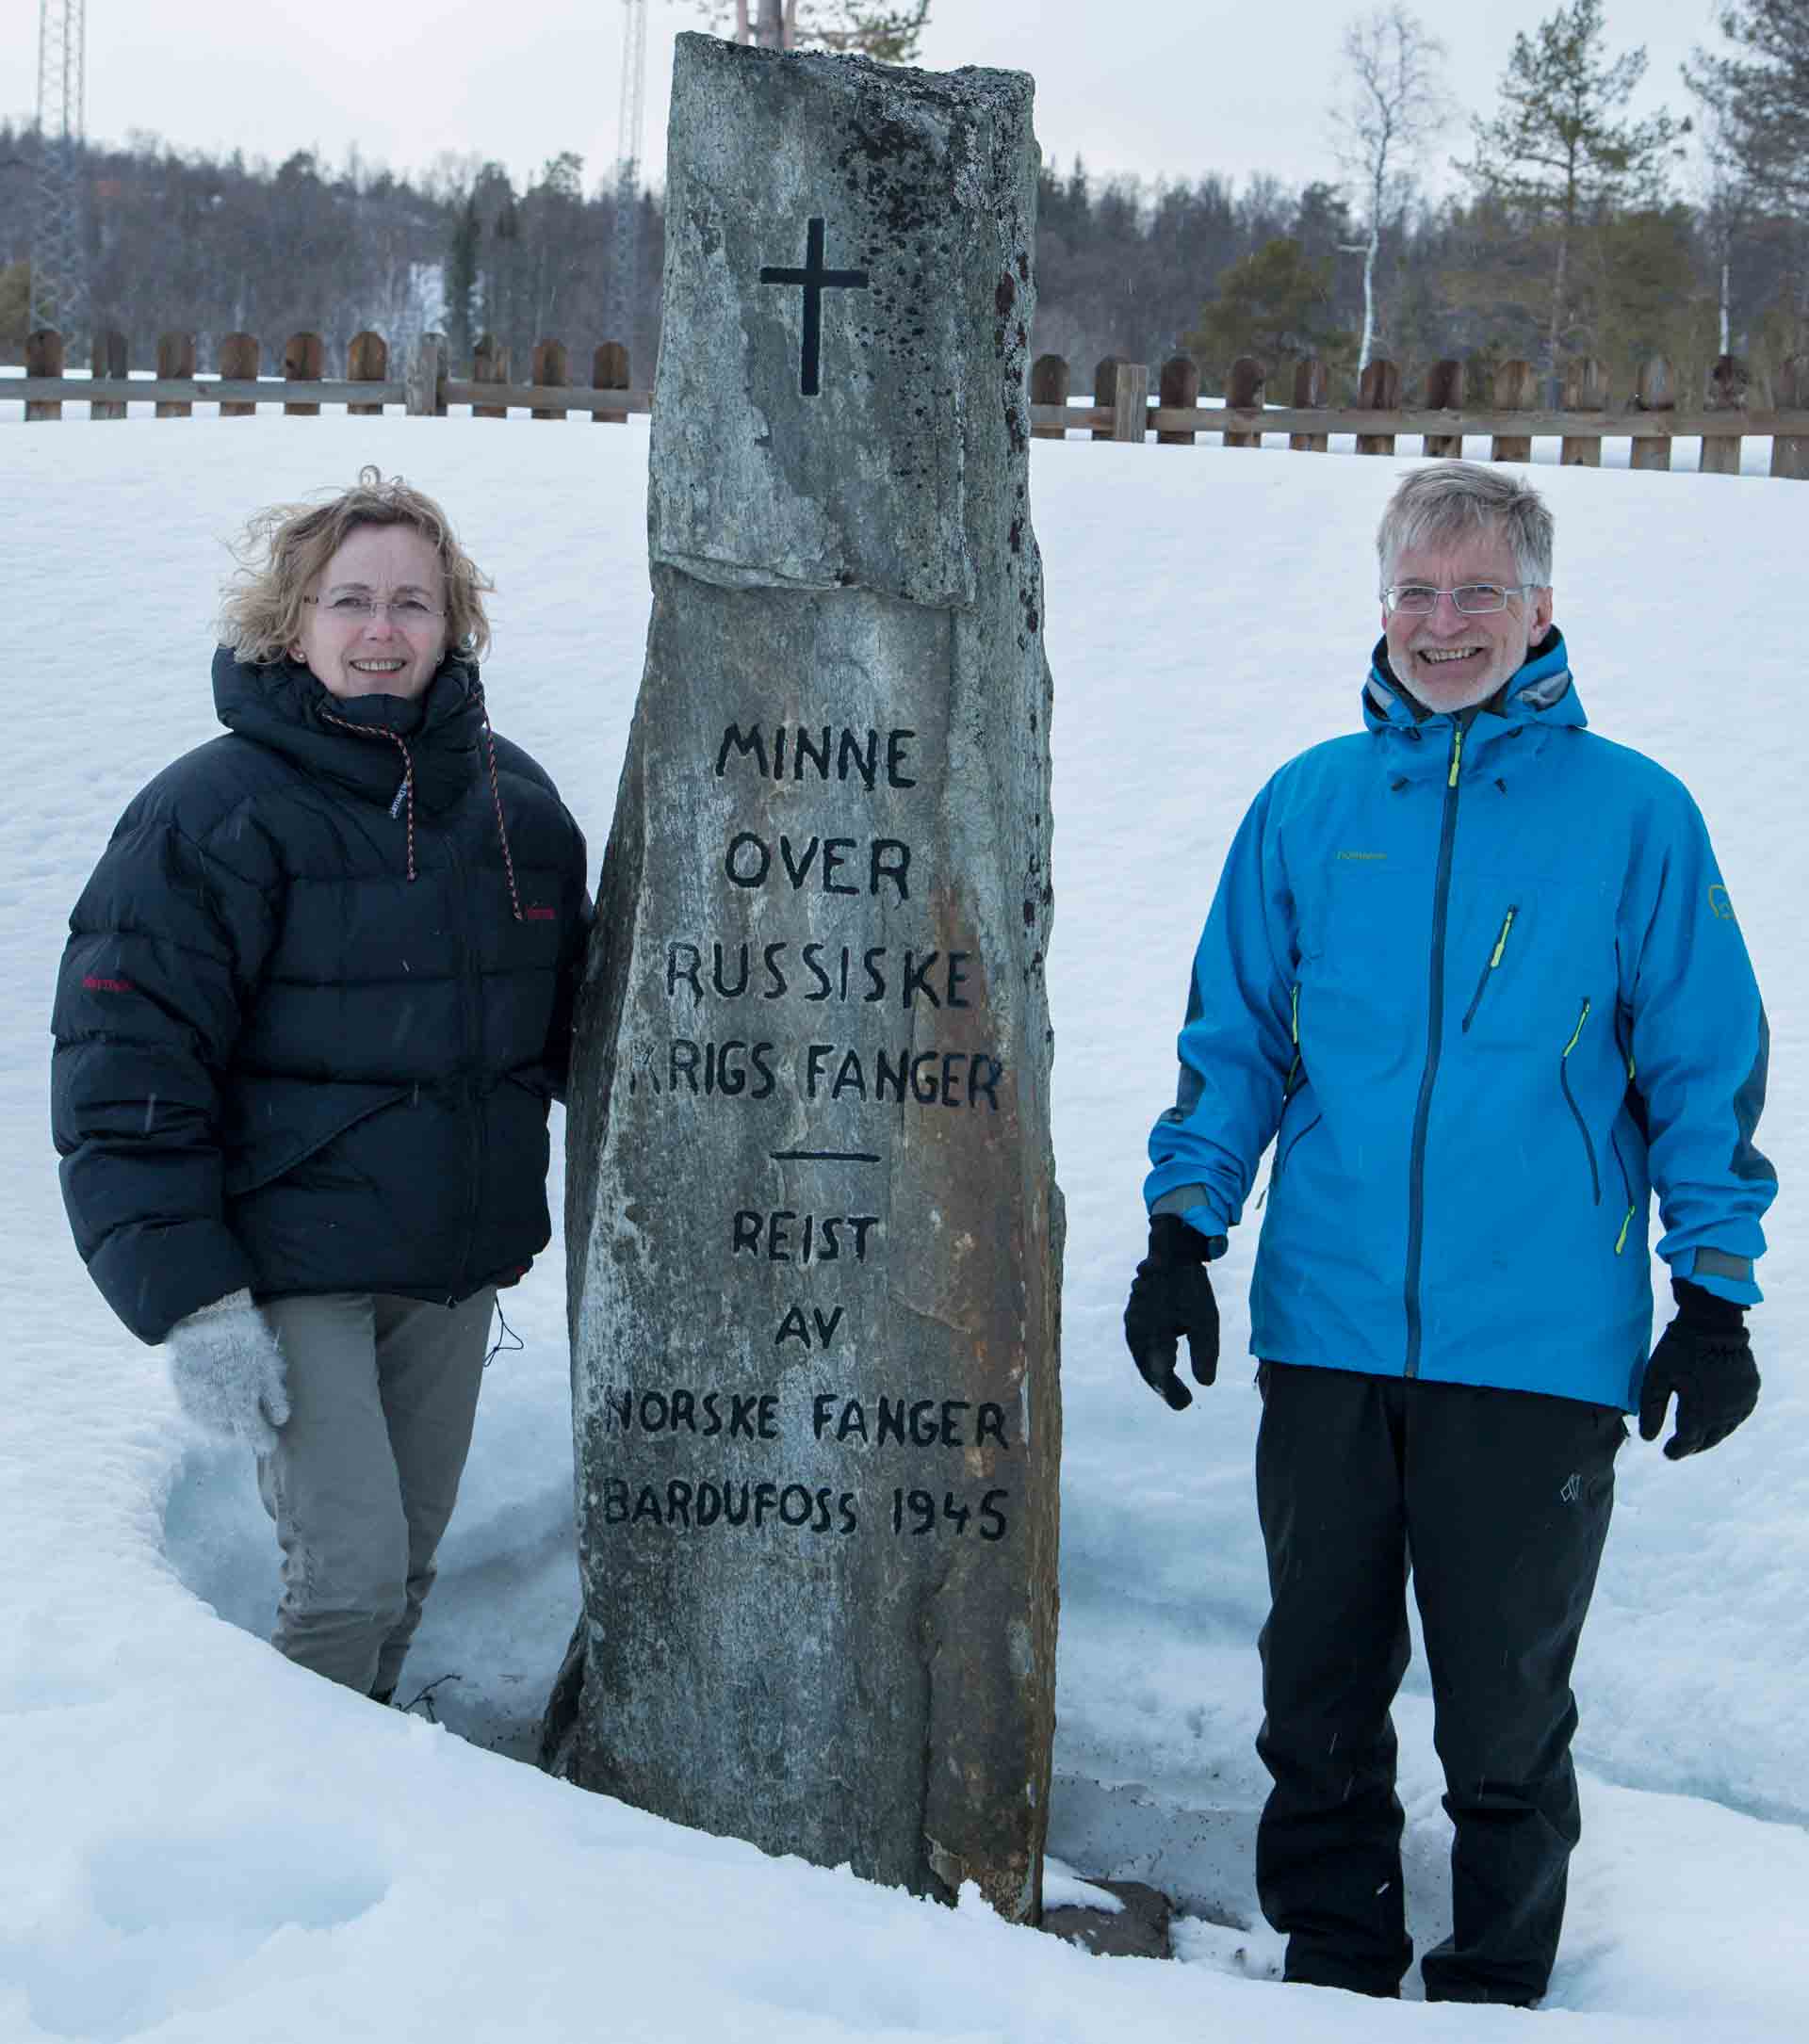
x=282, y=549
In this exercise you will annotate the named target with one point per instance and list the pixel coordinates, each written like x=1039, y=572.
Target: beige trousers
x=383, y=1395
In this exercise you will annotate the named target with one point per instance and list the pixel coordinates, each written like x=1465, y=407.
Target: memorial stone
x=813, y=1224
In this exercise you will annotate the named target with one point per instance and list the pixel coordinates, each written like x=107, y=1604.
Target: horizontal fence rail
x=1510, y=415
x=194, y=390
x=1513, y=410
x=426, y=390
x=545, y=400
x=1419, y=424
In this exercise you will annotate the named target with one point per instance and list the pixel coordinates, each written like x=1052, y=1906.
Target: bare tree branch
x=1392, y=102
x=889, y=31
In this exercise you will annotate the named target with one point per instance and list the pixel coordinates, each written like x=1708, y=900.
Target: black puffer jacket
x=316, y=999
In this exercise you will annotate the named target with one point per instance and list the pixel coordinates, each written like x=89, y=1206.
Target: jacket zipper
x=1487, y=971
x=1434, y=1041
x=1582, y=1126
x=471, y=1011
x=1626, y=1186
x=1294, y=1143
x=1613, y=1142
x=1293, y=1030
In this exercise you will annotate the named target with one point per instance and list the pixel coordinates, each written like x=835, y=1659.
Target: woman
x=316, y=999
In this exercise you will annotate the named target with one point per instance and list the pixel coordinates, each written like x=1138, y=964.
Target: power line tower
x=58, y=270
x=625, y=263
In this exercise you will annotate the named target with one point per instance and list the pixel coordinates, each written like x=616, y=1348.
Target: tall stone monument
x=814, y=1229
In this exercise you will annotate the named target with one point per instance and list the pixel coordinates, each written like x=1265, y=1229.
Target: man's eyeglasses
x=403, y=610
x=1474, y=599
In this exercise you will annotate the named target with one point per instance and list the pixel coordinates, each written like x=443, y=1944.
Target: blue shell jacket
x=1485, y=990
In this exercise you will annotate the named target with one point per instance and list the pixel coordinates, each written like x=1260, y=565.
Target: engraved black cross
x=815, y=280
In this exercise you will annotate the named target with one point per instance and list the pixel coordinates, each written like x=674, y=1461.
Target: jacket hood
x=285, y=706
x=1541, y=692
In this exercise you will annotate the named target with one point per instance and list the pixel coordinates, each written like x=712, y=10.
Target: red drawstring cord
x=407, y=789
x=496, y=795
x=406, y=792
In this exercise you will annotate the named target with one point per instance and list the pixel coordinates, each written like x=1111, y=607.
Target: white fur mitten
x=228, y=1372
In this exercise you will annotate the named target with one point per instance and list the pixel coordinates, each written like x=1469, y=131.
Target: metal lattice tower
x=625, y=257
x=58, y=270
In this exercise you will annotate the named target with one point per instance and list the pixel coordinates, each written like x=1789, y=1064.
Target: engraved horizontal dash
x=824, y=1156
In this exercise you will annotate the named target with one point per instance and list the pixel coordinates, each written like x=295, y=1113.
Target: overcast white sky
x=1157, y=88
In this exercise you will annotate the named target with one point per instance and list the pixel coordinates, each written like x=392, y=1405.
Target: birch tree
x=889, y=31
x=1756, y=101
x=1392, y=104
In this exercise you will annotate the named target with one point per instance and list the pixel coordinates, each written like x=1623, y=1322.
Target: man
x=1475, y=973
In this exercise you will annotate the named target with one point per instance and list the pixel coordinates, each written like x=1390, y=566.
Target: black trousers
x=1499, y=1501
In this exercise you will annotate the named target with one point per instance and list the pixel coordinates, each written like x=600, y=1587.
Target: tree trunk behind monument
x=814, y=1229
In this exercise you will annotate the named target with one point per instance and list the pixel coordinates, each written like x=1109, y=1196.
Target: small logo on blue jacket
x=1362, y=855
x=1721, y=908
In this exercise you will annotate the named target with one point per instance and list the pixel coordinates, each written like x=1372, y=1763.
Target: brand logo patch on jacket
x=1362, y=855
x=1720, y=907
x=92, y=983
x=540, y=914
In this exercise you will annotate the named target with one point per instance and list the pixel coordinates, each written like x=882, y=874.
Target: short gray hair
x=1439, y=505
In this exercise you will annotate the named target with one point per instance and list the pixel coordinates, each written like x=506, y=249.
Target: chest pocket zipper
x=1487, y=971
x=1582, y=1126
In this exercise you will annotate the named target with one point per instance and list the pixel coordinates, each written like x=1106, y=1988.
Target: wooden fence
x=1122, y=408
x=425, y=387
x=1510, y=417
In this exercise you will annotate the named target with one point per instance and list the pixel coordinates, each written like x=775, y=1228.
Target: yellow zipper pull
x=1456, y=753
x=1501, y=942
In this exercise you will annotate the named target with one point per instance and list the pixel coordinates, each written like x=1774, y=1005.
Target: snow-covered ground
x=200, y=1842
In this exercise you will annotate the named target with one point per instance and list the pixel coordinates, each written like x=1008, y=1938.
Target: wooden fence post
x=304, y=361
x=1656, y=393
x=107, y=359
x=238, y=364
x=43, y=357
x=548, y=367
x=1790, y=451
x=1723, y=390
x=175, y=363
x=421, y=385
x=489, y=365
x=1379, y=389
x=1179, y=390
x=1516, y=390
x=1585, y=389
x=610, y=371
x=366, y=362
x=1311, y=389
x=1445, y=392
x=1048, y=385
x=1105, y=392
x=1130, y=413
x=1244, y=390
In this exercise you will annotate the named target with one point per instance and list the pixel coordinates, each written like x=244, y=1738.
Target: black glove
x=1704, y=1358
x=1172, y=1296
